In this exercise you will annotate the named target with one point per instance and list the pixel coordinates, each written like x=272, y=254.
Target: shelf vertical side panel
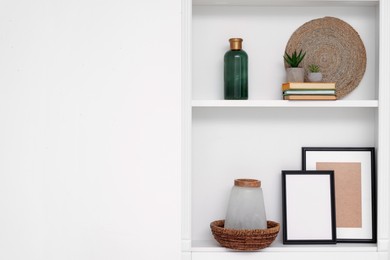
x=383, y=155
x=186, y=123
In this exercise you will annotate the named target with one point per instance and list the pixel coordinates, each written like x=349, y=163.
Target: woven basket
x=246, y=240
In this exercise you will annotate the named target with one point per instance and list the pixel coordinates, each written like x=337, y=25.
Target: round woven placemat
x=336, y=47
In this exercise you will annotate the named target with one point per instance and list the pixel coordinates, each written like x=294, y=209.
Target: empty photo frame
x=308, y=207
x=355, y=189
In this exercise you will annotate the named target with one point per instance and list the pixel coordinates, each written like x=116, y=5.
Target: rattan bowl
x=245, y=240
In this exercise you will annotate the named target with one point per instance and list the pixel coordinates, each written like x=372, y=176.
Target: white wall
x=89, y=129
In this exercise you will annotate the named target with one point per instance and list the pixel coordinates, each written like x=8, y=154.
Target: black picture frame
x=365, y=156
x=308, y=207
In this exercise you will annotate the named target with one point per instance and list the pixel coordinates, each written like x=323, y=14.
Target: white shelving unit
x=257, y=138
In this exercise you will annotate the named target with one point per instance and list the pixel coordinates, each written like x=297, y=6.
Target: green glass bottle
x=236, y=71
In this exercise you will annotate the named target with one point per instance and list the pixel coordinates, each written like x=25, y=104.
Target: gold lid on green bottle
x=235, y=43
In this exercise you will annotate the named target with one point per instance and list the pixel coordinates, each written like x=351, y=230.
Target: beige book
x=310, y=97
x=308, y=85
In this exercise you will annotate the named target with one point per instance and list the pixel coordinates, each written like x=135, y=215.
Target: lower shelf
x=210, y=250
x=285, y=255
x=277, y=246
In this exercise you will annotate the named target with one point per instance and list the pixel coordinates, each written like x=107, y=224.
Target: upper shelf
x=284, y=103
x=288, y=2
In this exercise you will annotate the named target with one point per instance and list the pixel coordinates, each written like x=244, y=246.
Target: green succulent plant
x=294, y=59
x=314, y=68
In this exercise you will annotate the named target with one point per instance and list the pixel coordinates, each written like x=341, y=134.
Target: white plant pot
x=314, y=76
x=295, y=74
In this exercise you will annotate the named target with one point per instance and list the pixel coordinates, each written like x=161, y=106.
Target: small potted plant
x=295, y=73
x=314, y=74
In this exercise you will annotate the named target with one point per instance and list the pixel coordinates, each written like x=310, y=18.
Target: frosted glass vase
x=246, y=206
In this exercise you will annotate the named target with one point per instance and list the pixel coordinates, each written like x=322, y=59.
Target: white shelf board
x=284, y=103
x=277, y=246
x=288, y=2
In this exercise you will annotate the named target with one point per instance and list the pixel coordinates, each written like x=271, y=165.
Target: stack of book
x=309, y=91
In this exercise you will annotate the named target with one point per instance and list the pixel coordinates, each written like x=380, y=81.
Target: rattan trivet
x=336, y=47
